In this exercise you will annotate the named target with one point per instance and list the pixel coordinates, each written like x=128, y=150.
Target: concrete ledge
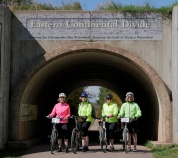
x=156, y=143
x=22, y=145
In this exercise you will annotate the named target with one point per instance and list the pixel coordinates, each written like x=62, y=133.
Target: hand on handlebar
x=111, y=115
x=48, y=116
x=84, y=117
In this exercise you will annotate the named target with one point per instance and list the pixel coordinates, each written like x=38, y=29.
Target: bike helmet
x=62, y=95
x=84, y=94
x=129, y=93
x=109, y=96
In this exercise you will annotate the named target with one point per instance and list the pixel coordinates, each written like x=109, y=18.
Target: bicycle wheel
x=125, y=137
x=54, y=136
x=103, y=140
x=75, y=141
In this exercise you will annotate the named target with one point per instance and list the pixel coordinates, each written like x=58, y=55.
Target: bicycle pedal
x=121, y=140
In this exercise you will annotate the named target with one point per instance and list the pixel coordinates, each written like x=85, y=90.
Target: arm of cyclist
x=138, y=112
x=89, y=111
x=53, y=113
x=67, y=114
x=115, y=112
x=121, y=112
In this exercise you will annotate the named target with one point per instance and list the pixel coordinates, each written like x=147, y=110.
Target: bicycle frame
x=102, y=134
x=54, y=134
x=125, y=132
x=76, y=135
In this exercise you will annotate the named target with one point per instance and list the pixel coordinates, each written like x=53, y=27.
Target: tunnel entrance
x=103, y=65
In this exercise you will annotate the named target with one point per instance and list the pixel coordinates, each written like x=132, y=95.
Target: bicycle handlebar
x=51, y=117
x=82, y=117
x=100, y=117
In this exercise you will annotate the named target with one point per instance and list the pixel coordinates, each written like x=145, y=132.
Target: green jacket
x=130, y=110
x=108, y=109
x=85, y=109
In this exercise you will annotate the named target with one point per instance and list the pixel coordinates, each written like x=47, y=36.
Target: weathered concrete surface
x=175, y=73
x=5, y=42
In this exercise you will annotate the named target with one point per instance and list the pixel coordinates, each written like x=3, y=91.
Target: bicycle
x=102, y=133
x=54, y=133
x=76, y=136
x=125, y=133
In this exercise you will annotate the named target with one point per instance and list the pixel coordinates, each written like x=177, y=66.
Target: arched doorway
x=74, y=66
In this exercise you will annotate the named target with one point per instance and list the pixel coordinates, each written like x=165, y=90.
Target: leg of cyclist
x=60, y=145
x=65, y=134
x=129, y=142
x=111, y=135
x=134, y=136
x=59, y=128
x=85, y=138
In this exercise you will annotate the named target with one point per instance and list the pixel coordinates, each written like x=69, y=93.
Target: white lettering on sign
x=45, y=25
x=135, y=24
x=90, y=26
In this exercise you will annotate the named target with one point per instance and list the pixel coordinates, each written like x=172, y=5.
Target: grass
x=11, y=154
x=163, y=151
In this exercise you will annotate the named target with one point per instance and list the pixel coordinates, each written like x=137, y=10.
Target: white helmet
x=62, y=95
x=129, y=93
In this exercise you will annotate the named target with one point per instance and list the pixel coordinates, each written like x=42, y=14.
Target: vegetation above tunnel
x=111, y=6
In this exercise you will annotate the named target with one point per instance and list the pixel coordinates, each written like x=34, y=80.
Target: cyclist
x=85, y=110
x=131, y=109
x=110, y=109
x=62, y=110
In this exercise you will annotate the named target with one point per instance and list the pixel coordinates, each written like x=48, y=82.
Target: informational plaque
x=90, y=26
x=28, y=112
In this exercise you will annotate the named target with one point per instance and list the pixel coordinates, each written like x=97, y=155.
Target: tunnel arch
x=93, y=63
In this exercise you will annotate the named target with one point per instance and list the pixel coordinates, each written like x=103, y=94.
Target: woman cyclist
x=62, y=110
x=130, y=109
x=85, y=110
x=110, y=109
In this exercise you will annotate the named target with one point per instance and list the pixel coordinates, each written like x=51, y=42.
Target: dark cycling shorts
x=133, y=127
x=62, y=130
x=110, y=127
x=84, y=126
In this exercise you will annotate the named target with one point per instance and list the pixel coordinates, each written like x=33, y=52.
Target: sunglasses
x=108, y=98
x=83, y=97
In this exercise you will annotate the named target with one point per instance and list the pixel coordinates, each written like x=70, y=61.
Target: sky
x=94, y=90
x=92, y=4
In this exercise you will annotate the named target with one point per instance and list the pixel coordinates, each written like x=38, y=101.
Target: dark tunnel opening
x=70, y=72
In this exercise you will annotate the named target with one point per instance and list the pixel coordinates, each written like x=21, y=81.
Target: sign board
x=28, y=112
x=90, y=26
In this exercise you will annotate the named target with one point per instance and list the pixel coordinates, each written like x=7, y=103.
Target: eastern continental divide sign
x=90, y=26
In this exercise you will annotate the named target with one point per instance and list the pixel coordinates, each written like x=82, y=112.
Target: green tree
x=32, y=5
x=74, y=100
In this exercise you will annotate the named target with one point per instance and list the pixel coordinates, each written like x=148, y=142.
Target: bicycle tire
x=75, y=141
x=125, y=136
x=54, y=136
x=103, y=140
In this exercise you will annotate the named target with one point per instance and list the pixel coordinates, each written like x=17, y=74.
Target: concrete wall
x=161, y=55
x=5, y=43
x=155, y=53
x=175, y=73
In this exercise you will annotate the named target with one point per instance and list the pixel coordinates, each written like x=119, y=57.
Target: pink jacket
x=61, y=110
